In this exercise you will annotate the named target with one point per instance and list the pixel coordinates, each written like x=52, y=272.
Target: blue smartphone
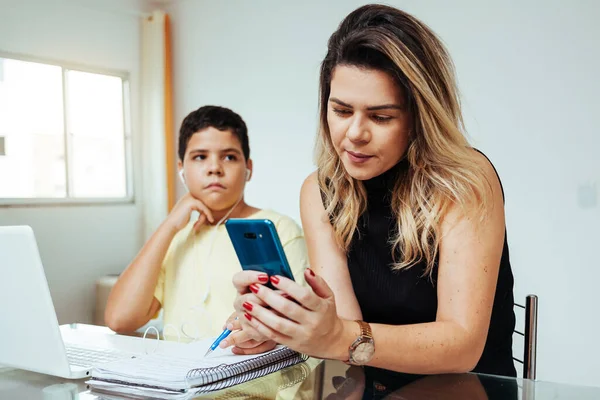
x=258, y=247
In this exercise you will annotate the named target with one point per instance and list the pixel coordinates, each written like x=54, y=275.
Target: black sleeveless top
x=407, y=297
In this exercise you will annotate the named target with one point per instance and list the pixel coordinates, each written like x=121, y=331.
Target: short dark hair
x=220, y=118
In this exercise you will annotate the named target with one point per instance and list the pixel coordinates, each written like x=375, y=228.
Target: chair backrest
x=529, y=337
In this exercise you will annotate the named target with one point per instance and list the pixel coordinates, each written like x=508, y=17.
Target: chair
x=529, y=337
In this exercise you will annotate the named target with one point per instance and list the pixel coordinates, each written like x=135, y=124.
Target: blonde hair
x=442, y=169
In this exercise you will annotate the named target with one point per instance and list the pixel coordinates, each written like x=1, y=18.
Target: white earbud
x=182, y=178
x=248, y=172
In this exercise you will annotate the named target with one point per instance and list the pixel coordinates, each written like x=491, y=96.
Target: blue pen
x=216, y=343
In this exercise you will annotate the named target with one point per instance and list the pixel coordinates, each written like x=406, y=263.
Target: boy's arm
x=131, y=302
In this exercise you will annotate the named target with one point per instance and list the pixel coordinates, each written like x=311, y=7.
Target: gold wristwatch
x=361, y=351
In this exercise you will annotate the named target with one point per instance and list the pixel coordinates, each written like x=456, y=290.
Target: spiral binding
x=247, y=375
x=203, y=376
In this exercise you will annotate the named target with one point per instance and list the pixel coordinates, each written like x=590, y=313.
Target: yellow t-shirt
x=189, y=265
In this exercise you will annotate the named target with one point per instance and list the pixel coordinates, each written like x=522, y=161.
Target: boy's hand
x=180, y=214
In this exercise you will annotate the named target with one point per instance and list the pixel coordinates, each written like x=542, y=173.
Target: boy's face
x=214, y=168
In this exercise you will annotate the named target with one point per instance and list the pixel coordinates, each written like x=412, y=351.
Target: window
x=64, y=134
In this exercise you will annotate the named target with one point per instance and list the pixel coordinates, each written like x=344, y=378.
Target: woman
x=404, y=221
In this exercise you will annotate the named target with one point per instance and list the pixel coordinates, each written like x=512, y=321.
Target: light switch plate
x=2, y=149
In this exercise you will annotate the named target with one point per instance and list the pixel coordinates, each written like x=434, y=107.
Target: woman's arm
x=326, y=258
x=469, y=260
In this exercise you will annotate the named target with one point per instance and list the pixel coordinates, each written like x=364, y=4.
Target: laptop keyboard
x=87, y=357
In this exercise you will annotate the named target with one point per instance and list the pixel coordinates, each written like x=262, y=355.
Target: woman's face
x=368, y=120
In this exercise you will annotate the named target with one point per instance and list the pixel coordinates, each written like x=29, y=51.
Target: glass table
x=318, y=379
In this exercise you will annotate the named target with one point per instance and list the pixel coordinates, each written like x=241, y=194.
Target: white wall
x=79, y=243
x=528, y=74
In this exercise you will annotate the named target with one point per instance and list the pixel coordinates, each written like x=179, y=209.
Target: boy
x=187, y=265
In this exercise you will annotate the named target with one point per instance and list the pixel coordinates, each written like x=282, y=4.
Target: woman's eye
x=200, y=157
x=343, y=113
x=381, y=118
x=230, y=157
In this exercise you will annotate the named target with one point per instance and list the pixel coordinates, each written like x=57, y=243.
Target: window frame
x=129, y=197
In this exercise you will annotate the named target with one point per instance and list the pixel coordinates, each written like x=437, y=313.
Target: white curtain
x=155, y=192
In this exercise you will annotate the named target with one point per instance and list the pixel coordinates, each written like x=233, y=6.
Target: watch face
x=363, y=353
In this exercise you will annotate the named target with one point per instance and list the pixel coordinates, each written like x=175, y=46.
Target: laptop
x=30, y=336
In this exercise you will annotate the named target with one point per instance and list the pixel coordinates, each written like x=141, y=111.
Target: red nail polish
x=274, y=280
x=248, y=316
x=254, y=288
x=310, y=271
x=247, y=306
x=264, y=278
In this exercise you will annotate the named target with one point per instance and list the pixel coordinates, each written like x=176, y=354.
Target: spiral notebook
x=179, y=377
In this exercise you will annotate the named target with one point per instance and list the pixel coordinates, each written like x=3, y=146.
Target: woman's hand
x=242, y=281
x=241, y=340
x=245, y=339
x=310, y=325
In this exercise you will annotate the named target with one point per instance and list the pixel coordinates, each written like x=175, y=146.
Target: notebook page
x=153, y=371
